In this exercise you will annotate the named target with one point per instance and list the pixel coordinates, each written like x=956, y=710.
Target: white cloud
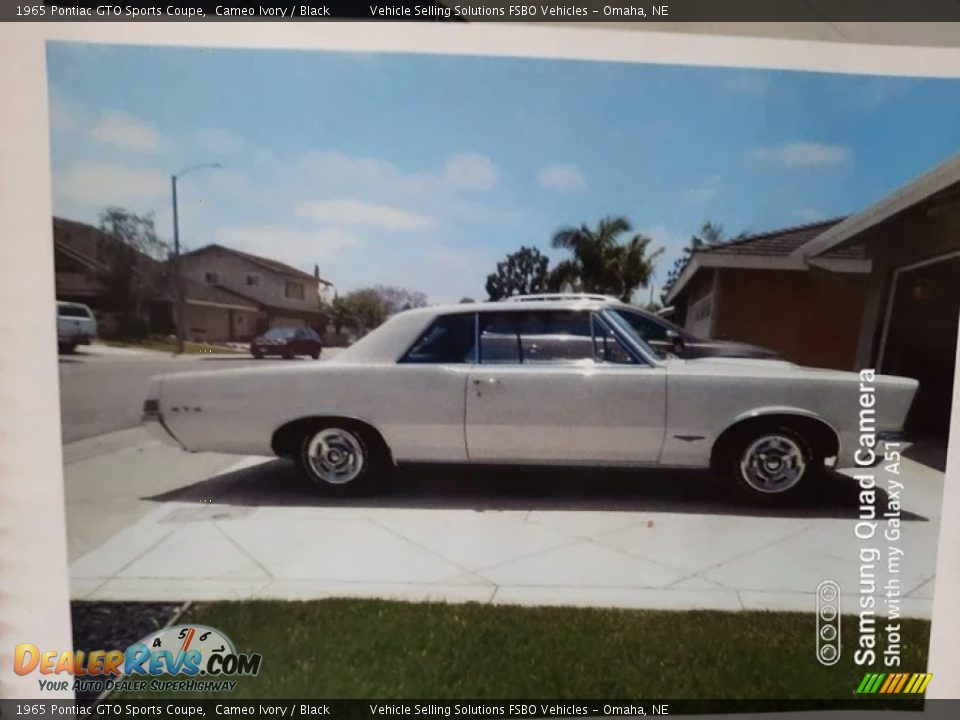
x=290, y=245
x=699, y=195
x=126, y=132
x=562, y=178
x=97, y=185
x=805, y=154
x=471, y=171
x=64, y=114
x=219, y=140
x=349, y=211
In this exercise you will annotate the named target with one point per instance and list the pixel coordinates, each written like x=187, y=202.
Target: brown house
x=880, y=289
x=756, y=290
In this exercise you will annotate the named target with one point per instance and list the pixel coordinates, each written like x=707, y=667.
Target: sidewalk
x=219, y=540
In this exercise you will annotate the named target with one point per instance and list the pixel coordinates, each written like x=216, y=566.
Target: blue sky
x=425, y=170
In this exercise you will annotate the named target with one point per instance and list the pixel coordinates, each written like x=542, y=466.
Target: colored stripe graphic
x=893, y=683
x=886, y=685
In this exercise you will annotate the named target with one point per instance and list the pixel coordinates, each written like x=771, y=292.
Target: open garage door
x=920, y=337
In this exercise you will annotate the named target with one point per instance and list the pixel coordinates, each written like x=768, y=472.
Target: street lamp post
x=177, y=280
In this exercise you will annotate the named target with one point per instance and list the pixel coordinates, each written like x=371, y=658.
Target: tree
x=600, y=263
x=522, y=273
x=134, y=270
x=710, y=234
x=362, y=310
x=397, y=299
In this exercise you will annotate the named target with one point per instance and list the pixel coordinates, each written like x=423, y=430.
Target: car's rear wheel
x=257, y=355
x=771, y=464
x=66, y=348
x=315, y=354
x=342, y=458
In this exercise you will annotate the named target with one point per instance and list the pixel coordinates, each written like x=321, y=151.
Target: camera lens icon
x=828, y=622
x=829, y=654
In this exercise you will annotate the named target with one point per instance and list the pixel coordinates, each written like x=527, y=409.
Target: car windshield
x=619, y=320
x=280, y=333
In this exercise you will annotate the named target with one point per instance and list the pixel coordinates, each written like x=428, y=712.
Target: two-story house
x=276, y=294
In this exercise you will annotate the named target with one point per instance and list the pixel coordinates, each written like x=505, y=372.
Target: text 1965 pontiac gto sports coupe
x=564, y=382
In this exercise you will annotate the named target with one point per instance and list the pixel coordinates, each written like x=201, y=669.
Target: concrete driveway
x=213, y=527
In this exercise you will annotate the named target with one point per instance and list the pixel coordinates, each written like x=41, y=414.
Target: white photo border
x=34, y=590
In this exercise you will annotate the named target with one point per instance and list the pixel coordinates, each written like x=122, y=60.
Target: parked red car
x=287, y=342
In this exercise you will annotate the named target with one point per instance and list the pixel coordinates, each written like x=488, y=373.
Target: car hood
x=729, y=348
x=743, y=362
x=758, y=367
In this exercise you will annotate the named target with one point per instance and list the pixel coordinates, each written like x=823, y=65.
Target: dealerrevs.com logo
x=200, y=658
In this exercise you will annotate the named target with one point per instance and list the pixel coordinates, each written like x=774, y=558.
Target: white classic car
x=565, y=382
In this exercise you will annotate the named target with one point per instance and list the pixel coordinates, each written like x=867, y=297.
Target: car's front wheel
x=341, y=458
x=770, y=465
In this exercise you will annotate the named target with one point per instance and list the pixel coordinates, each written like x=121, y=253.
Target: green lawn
x=189, y=348
x=380, y=649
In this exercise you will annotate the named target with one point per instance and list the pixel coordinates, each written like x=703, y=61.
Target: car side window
x=607, y=346
x=647, y=329
x=450, y=339
x=536, y=337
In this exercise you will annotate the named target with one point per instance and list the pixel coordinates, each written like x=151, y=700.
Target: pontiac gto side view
x=556, y=382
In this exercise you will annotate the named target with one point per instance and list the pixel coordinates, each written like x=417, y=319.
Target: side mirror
x=677, y=346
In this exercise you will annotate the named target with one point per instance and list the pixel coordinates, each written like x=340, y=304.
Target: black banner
x=489, y=11
x=463, y=709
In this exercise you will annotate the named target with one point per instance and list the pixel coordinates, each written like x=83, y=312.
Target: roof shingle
x=274, y=265
x=783, y=242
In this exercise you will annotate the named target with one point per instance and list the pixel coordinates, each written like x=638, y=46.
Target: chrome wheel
x=773, y=464
x=336, y=456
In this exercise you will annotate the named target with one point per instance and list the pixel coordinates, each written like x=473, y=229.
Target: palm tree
x=602, y=264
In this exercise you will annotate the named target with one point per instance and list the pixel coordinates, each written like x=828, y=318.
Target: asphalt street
x=102, y=391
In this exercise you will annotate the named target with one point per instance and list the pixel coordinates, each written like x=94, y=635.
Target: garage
x=920, y=337
x=912, y=308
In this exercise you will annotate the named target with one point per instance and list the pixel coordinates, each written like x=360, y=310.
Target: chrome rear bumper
x=153, y=420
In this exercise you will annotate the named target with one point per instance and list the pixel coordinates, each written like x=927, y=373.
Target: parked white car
x=76, y=325
x=565, y=382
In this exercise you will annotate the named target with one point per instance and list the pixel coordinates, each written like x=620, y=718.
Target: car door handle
x=488, y=381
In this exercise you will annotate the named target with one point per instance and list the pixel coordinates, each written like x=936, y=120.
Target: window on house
x=294, y=290
x=211, y=278
x=253, y=281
